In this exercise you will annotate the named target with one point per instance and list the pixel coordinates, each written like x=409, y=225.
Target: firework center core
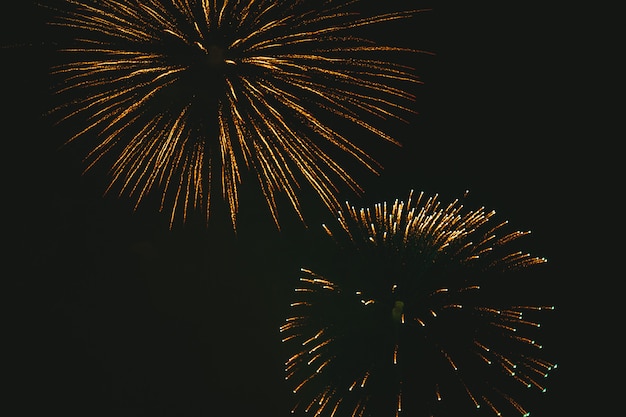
x=397, y=311
x=214, y=57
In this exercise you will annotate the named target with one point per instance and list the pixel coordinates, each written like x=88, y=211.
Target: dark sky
x=116, y=315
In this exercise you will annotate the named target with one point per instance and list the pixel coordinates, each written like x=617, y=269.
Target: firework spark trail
x=445, y=342
x=279, y=71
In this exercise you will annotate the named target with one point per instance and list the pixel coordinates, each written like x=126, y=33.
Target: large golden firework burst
x=177, y=95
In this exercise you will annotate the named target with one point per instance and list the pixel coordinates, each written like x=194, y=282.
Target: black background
x=113, y=314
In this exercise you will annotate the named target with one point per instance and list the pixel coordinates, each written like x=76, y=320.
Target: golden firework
x=174, y=90
x=408, y=322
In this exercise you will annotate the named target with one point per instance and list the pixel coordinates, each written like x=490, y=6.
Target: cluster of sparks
x=283, y=73
x=432, y=338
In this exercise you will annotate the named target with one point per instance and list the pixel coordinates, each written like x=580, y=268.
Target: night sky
x=117, y=315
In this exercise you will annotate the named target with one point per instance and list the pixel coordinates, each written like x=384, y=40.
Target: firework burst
x=407, y=324
x=177, y=95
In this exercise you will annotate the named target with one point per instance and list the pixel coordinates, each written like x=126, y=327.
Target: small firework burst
x=179, y=95
x=407, y=325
